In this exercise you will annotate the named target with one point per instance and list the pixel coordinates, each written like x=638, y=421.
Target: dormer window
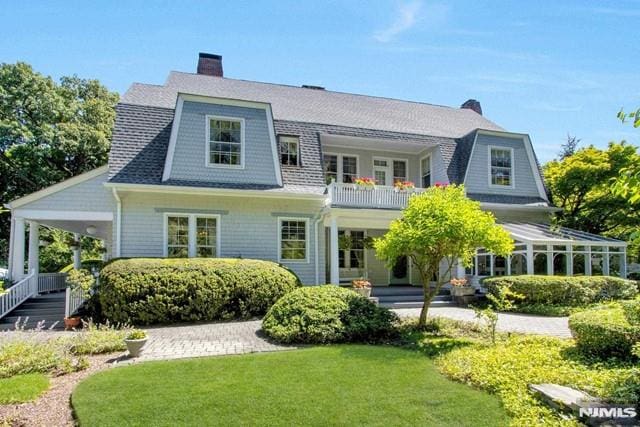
x=501, y=167
x=225, y=142
x=289, y=150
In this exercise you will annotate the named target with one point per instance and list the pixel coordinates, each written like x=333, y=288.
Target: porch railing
x=74, y=298
x=352, y=195
x=18, y=293
x=48, y=282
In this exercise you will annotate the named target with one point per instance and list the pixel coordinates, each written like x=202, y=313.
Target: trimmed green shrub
x=603, y=332
x=562, y=290
x=87, y=264
x=154, y=290
x=632, y=311
x=324, y=314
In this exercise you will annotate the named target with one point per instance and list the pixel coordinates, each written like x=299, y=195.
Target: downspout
x=118, y=220
x=320, y=217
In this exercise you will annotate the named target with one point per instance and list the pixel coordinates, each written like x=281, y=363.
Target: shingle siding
x=248, y=230
x=191, y=146
x=478, y=170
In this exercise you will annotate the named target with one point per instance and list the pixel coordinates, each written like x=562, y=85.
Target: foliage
x=581, y=186
x=97, y=339
x=22, y=388
x=507, y=368
x=56, y=253
x=563, y=290
x=86, y=264
x=82, y=279
x=631, y=311
x=136, y=334
x=152, y=290
x=49, y=131
x=604, y=332
x=320, y=386
x=441, y=224
x=25, y=356
x=502, y=300
x=324, y=314
x=569, y=148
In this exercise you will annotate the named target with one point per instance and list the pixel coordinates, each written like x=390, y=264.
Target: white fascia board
x=38, y=214
x=212, y=191
x=57, y=187
x=509, y=207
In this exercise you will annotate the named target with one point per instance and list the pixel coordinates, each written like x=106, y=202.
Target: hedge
x=563, y=290
x=632, y=311
x=324, y=314
x=149, y=290
x=604, y=332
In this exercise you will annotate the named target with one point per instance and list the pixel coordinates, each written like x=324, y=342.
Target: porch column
x=529, y=258
x=587, y=261
x=570, y=259
x=77, y=253
x=623, y=264
x=492, y=265
x=460, y=270
x=549, y=260
x=34, y=247
x=333, y=240
x=508, y=261
x=605, y=261
x=17, y=261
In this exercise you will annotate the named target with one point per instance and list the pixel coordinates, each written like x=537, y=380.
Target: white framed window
x=191, y=235
x=400, y=170
x=425, y=171
x=293, y=240
x=225, y=142
x=289, y=150
x=388, y=171
x=340, y=167
x=500, y=167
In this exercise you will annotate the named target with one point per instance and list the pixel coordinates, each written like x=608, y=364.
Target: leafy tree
x=48, y=132
x=441, y=224
x=569, y=148
x=628, y=184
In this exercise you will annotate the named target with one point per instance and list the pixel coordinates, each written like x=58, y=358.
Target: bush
x=562, y=290
x=82, y=279
x=98, y=339
x=324, y=314
x=604, y=332
x=24, y=356
x=87, y=264
x=631, y=311
x=148, y=290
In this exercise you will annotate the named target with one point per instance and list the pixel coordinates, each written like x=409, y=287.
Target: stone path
x=507, y=322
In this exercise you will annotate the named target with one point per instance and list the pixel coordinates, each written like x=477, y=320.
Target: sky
x=546, y=68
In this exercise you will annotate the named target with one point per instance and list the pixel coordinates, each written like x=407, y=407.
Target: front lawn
x=22, y=388
x=345, y=384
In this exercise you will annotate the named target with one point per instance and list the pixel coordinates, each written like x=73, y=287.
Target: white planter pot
x=365, y=292
x=135, y=346
x=462, y=291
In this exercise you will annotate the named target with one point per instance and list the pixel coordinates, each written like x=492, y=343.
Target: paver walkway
x=507, y=322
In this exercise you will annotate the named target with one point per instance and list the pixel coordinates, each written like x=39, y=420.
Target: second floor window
x=225, y=142
x=340, y=167
x=289, y=150
x=501, y=162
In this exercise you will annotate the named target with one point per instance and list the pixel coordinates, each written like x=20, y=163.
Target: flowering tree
x=441, y=224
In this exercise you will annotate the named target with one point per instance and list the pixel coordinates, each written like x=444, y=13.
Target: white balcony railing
x=352, y=195
x=18, y=293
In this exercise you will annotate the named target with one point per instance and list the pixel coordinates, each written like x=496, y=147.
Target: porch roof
x=546, y=234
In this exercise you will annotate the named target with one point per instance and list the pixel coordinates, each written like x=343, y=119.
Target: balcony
x=378, y=197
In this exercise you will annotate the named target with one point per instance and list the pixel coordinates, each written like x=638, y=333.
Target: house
x=209, y=166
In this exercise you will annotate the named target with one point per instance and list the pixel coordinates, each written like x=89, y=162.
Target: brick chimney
x=210, y=64
x=472, y=104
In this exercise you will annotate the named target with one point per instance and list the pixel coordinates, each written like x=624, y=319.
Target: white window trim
x=306, y=240
x=192, y=239
x=390, y=161
x=339, y=178
x=430, y=157
x=208, y=163
x=512, y=168
x=299, y=160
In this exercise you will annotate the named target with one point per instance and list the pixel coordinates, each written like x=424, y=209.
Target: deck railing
x=352, y=195
x=18, y=293
x=49, y=282
x=74, y=298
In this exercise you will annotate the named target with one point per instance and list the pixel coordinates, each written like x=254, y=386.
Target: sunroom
x=543, y=249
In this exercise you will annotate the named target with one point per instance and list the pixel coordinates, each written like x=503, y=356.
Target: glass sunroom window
x=178, y=236
x=206, y=237
x=501, y=167
x=225, y=142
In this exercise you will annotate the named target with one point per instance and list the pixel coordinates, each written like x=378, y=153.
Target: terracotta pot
x=135, y=346
x=71, y=322
x=461, y=291
x=365, y=292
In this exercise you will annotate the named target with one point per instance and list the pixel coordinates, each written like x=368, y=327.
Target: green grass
x=335, y=385
x=22, y=388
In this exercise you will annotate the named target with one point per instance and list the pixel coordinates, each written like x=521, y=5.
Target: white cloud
x=408, y=14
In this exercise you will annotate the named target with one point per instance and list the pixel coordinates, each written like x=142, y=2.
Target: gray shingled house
x=208, y=166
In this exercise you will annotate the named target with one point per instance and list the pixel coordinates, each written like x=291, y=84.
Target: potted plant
x=365, y=183
x=362, y=286
x=135, y=340
x=461, y=288
x=404, y=186
x=71, y=322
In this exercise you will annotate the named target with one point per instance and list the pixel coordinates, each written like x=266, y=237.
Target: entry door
x=382, y=172
x=399, y=274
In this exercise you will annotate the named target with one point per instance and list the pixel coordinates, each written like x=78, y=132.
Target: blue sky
x=544, y=68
